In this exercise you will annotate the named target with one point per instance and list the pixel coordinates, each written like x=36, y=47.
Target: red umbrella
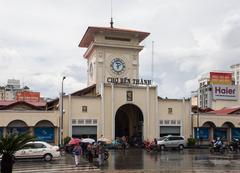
x=74, y=141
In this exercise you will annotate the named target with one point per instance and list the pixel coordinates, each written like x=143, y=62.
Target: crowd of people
x=90, y=151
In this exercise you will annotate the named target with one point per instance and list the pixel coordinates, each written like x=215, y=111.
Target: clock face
x=118, y=66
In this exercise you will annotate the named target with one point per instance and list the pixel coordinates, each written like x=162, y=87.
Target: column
x=113, y=112
x=69, y=115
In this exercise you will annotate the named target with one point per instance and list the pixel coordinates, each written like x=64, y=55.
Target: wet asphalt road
x=138, y=160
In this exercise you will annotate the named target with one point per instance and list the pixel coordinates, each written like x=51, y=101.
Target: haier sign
x=225, y=92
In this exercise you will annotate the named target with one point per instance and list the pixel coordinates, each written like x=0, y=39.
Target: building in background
x=236, y=73
x=217, y=89
x=10, y=91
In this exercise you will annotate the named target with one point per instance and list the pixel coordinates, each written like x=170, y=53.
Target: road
x=138, y=160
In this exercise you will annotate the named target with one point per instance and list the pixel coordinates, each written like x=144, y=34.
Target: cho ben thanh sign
x=126, y=80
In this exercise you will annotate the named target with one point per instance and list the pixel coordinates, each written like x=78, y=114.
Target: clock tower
x=112, y=52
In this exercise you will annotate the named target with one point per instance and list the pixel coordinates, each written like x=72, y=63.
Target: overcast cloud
x=39, y=40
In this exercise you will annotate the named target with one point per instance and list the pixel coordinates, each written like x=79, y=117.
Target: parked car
x=171, y=142
x=38, y=149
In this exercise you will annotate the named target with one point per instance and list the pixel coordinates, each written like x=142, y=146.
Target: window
x=80, y=121
x=129, y=96
x=74, y=121
x=84, y=108
x=39, y=145
x=94, y=121
x=88, y=121
x=170, y=111
x=166, y=121
x=28, y=146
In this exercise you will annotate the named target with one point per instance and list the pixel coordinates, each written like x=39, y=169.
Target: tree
x=8, y=146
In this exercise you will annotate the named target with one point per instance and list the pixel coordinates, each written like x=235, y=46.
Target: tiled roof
x=9, y=102
x=225, y=111
x=89, y=34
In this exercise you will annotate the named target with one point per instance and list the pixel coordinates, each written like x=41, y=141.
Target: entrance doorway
x=129, y=122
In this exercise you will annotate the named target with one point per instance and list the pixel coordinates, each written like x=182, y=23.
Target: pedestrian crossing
x=54, y=168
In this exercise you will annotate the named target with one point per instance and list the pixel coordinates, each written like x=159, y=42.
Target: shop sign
x=225, y=92
x=202, y=133
x=28, y=96
x=235, y=133
x=128, y=81
x=219, y=78
x=44, y=134
x=220, y=132
x=17, y=130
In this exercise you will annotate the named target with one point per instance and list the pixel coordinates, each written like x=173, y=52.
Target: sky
x=39, y=40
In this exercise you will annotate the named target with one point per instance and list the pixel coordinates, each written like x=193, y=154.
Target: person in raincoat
x=77, y=152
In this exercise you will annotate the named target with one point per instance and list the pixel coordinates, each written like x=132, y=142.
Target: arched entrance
x=44, y=131
x=17, y=126
x=129, y=122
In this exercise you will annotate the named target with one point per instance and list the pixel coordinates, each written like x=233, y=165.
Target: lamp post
x=198, y=137
x=61, y=118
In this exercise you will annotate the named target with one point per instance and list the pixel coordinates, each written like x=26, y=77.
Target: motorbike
x=151, y=146
x=95, y=154
x=217, y=147
x=234, y=145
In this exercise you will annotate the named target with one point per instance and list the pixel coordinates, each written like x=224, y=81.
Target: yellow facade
x=116, y=102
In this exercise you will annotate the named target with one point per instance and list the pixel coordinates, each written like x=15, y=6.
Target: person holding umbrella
x=77, y=152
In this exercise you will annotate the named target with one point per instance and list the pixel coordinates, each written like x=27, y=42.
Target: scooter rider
x=218, y=143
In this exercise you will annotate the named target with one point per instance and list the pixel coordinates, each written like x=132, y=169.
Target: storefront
x=170, y=130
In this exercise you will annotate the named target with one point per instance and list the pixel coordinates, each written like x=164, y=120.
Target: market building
x=118, y=102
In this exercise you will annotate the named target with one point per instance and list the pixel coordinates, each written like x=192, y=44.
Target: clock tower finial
x=111, y=22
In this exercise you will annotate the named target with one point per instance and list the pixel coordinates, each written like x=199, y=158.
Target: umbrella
x=88, y=140
x=107, y=141
x=74, y=141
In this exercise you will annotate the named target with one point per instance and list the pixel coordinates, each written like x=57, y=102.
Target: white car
x=38, y=149
x=171, y=141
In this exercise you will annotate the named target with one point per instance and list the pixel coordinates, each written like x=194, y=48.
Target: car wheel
x=181, y=147
x=47, y=157
x=162, y=147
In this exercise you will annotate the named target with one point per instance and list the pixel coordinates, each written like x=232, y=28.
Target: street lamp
x=61, y=118
x=198, y=134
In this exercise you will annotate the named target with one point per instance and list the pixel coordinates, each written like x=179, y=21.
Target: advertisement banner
x=28, y=96
x=17, y=130
x=235, y=133
x=203, y=133
x=44, y=134
x=225, y=92
x=220, y=78
x=220, y=132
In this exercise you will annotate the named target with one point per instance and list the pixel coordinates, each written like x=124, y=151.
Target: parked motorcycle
x=234, y=145
x=95, y=154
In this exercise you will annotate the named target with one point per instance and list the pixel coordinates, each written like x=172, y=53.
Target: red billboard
x=220, y=78
x=28, y=96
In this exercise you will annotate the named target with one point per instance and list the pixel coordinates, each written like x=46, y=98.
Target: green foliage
x=8, y=146
x=191, y=141
x=66, y=140
x=14, y=142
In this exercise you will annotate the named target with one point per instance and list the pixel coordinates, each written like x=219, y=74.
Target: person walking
x=90, y=152
x=100, y=151
x=77, y=152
